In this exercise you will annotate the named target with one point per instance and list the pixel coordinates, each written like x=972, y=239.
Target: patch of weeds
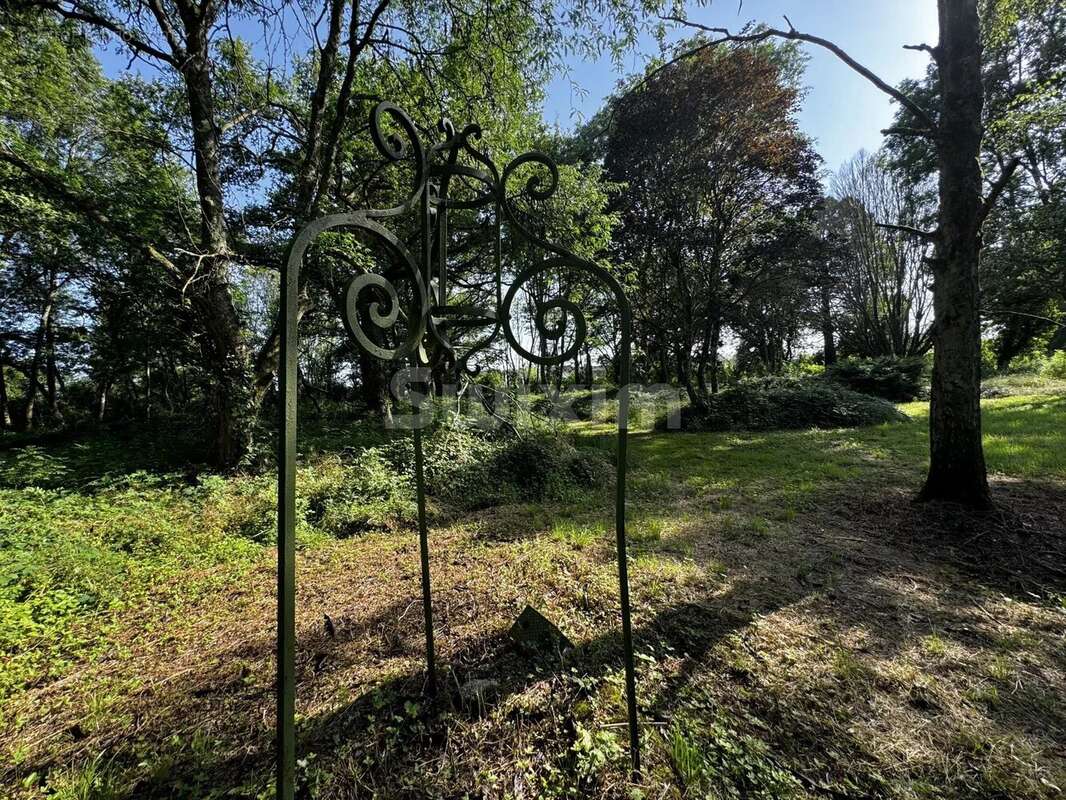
x=848, y=668
x=759, y=526
x=32, y=466
x=1000, y=669
x=578, y=535
x=646, y=530
x=934, y=645
x=97, y=779
x=1015, y=640
x=983, y=694
x=714, y=759
x=596, y=751
x=97, y=709
x=654, y=486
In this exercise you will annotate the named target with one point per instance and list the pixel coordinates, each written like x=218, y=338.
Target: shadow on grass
x=859, y=545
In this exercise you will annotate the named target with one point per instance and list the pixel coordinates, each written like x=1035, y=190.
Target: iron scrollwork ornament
x=415, y=291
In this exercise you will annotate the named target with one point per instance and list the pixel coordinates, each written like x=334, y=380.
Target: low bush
x=784, y=403
x=1055, y=366
x=465, y=468
x=601, y=406
x=895, y=379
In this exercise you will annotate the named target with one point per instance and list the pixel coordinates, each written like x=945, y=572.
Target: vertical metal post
x=286, y=650
x=423, y=548
x=620, y=533
x=420, y=483
x=442, y=254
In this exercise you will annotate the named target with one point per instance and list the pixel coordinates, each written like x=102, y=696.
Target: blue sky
x=842, y=111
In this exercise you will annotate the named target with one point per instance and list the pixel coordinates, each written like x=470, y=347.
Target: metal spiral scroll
x=382, y=316
x=426, y=342
x=428, y=319
x=537, y=189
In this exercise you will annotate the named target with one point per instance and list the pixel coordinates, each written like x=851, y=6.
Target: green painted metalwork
x=429, y=318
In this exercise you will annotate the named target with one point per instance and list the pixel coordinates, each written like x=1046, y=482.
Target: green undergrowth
x=783, y=404
x=72, y=560
x=77, y=552
x=76, y=555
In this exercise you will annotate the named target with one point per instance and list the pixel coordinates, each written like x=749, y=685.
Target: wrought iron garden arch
x=428, y=316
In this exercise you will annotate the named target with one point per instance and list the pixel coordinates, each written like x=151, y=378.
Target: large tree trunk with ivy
x=227, y=362
x=33, y=381
x=957, y=463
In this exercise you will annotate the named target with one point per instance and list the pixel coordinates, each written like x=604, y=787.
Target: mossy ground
x=804, y=630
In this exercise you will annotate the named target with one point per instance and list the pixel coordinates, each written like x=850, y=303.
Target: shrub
x=782, y=403
x=989, y=360
x=1055, y=366
x=896, y=379
x=469, y=468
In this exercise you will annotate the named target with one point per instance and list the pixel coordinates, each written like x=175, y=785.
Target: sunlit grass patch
x=578, y=535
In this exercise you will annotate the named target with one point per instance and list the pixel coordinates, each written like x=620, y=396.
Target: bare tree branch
x=81, y=14
x=794, y=35
x=997, y=188
x=998, y=311
x=165, y=25
x=905, y=130
x=928, y=236
x=934, y=52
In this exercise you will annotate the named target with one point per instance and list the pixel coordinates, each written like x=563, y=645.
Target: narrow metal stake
x=623, y=567
x=286, y=652
x=423, y=546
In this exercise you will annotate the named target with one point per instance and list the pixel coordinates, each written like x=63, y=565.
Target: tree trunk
x=702, y=362
x=829, y=347
x=228, y=361
x=230, y=394
x=5, y=416
x=102, y=389
x=34, y=378
x=50, y=372
x=716, y=345
x=957, y=464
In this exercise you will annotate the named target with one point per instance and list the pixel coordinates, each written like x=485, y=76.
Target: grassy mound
x=896, y=379
x=786, y=403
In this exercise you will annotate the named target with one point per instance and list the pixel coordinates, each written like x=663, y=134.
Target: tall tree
x=884, y=281
x=236, y=120
x=956, y=130
x=712, y=158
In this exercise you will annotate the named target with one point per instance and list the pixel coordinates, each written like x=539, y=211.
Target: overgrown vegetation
x=785, y=403
x=76, y=553
x=138, y=614
x=895, y=379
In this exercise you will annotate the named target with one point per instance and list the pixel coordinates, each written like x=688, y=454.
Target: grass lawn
x=804, y=629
